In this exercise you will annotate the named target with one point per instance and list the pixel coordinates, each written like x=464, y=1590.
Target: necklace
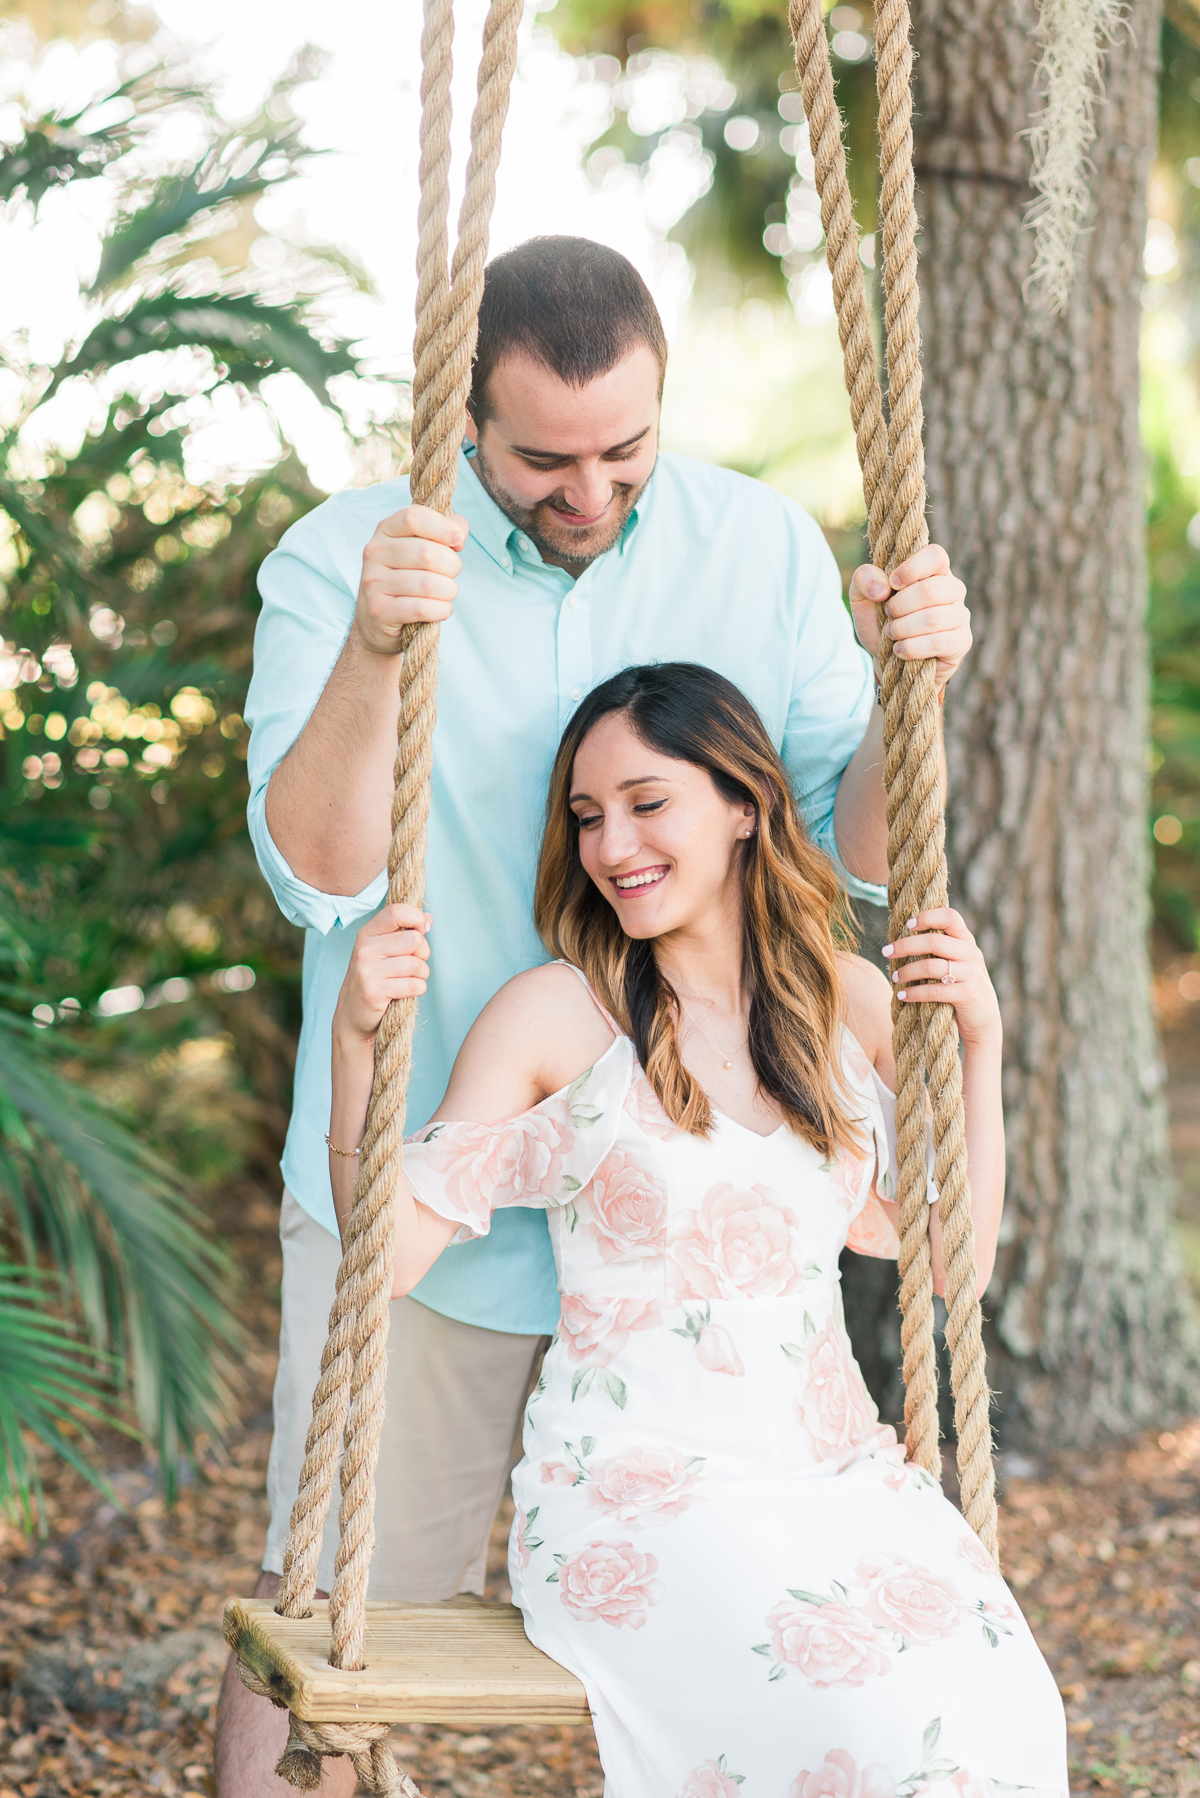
x=704, y=1033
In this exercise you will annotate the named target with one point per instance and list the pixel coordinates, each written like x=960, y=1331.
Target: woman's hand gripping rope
x=946, y=967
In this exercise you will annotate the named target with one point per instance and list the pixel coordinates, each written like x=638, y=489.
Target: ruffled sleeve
x=539, y=1160
x=872, y=1231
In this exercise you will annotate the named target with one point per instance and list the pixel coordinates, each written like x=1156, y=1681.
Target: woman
x=713, y=1529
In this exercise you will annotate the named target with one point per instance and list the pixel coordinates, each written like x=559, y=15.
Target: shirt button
x=574, y=600
x=576, y=694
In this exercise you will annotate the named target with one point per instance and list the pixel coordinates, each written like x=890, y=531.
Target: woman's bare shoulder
x=868, y=996
x=545, y=1021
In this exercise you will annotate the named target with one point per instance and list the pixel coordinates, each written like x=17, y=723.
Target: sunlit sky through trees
x=362, y=195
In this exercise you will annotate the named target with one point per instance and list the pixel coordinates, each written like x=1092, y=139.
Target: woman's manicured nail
x=911, y=925
x=902, y=995
x=895, y=976
x=888, y=950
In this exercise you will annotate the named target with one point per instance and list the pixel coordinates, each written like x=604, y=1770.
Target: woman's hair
x=791, y=901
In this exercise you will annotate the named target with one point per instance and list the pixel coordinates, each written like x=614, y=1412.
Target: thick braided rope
x=366, y=1745
x=893, y=485
x=332, y=1397
x=350, y=1389
x=911, y=769
x=440, y=387
x=916, y=851
x=841, y=248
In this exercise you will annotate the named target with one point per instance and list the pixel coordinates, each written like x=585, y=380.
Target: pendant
x=728, y=1064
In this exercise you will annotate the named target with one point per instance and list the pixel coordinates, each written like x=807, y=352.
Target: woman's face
x=655, y=835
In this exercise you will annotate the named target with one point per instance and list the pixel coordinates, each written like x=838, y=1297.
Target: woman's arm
x=388, y=962
x=945, y=946
x=531, y=1039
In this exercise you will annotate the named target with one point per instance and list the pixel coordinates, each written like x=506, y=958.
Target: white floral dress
x=713, y=1529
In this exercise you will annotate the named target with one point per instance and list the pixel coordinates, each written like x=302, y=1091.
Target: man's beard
x=542, y=529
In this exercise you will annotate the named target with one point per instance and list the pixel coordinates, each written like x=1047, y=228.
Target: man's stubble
x=531, y=519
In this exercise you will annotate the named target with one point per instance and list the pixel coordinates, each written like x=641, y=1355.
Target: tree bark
x=1036, y=487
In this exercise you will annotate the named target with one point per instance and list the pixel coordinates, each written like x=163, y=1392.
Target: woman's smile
x=641, y=880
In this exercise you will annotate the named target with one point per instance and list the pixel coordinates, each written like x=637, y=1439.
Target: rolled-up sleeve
x=307, y=610
x=833, y=691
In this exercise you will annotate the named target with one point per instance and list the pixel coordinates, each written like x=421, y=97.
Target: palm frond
x=249, y=338
x=54, y=1389
x=235, y=167
x=60, y=147
x=115, y=1220
x=230, y=171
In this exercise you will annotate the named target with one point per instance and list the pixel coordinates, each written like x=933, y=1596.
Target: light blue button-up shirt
x=712, y=567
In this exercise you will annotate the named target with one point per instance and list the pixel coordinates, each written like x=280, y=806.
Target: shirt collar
x=494, y=530
x=490, y=527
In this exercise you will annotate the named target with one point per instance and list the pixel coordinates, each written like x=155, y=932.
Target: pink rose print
x=834, y=1408
x=848, y=1175
x=737, y=1245
x=646, y=1485
x=827, y=1644
x=919, y=1605
x=713, y=1344
x=609, y=1582
x=596, y=1329
x=489, y=1165
x=838, y=1777
x=712, y=1780
x=872, y=1232
x=971, y=1550
x=557, y=1473
x=626, y=1211
x=643, y=1105
x=716, y=1353
x=970, y=1785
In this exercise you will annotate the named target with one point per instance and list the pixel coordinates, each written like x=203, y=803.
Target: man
x=573, y=550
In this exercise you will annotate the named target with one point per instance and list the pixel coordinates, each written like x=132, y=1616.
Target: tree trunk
x=1036, y=487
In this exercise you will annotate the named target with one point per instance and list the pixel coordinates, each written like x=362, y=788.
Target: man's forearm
x=329, y=801
x=860, y=809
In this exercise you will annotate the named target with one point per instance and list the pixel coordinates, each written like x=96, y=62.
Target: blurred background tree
x=157, y=984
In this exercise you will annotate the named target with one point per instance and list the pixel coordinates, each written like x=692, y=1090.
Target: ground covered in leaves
x=111, y=1652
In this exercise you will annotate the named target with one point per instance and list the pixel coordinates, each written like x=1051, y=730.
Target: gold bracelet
x=334, y=1150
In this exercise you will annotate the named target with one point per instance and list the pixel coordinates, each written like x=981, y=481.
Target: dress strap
x=606, y=1015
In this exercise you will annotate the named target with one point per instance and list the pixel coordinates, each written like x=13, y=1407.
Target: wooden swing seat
x=464, y=1663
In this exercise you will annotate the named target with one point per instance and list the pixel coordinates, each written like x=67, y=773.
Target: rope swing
x=893, y=471
x=349, y=1400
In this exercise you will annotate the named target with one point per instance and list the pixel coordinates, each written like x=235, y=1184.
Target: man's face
x=565, y=463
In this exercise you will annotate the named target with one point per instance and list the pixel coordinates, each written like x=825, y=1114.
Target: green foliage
x=57, y=148
x=86, y=1191
x=235, y=167
x=150, y=1075
x=1175, y=505
x=726, y=233
x=52, y=1388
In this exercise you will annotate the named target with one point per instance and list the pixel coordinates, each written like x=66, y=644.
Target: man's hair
x=568, y=303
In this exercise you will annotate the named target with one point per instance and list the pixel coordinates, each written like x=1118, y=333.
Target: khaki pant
x=455, y=1395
